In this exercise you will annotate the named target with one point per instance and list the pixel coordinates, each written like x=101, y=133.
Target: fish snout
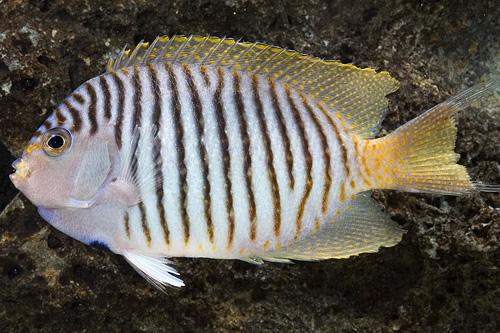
x=16, y=163
x=21, y=171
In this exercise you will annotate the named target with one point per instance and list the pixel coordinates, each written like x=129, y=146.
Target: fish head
x=60, y=167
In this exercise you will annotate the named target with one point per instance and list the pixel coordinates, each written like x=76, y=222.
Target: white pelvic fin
x=155, y=269
x=360, y=228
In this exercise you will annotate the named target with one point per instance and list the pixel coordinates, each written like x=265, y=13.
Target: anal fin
x=362, y=227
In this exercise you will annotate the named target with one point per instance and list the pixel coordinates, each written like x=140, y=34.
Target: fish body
x=206, y=147
x=241, y=162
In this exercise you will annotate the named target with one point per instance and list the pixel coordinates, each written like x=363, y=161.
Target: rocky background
x=443, y=277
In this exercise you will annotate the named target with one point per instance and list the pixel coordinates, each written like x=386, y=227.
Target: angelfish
x=208, y=147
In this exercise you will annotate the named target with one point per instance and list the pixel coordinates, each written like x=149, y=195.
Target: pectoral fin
x=92, y=172
x=128, y=185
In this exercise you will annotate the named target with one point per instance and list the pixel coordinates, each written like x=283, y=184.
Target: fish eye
x=56, y=141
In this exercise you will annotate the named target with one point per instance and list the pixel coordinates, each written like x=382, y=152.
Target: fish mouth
x=21, y=172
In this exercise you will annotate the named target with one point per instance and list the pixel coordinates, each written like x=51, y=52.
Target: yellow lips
x=22, y=169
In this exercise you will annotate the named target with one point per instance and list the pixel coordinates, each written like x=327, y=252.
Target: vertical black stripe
x=78, y=98
x=339, y=138
x=247, y=161
x=60, y=118
x=158, y=157
x=75, y=116
x=283, y=131
x=179, y=135
x=204, y=74
x=137, y=91
x=144, y=223
x=306, y=149
x=92, y=108
x=224, y=148
x=269, y=155
x=107, y=96
x=127, y=224
x=119, y=108
x=202, y=149
x=325, y=148
x=47, y=123
x=136, y=123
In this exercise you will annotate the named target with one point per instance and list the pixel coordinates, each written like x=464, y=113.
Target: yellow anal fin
x=361, y=228
x=358, y=94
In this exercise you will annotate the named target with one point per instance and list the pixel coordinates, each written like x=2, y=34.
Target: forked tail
x=419, y=156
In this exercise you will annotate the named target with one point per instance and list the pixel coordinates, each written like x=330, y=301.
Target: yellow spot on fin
x=362, y=228
x=358, y=94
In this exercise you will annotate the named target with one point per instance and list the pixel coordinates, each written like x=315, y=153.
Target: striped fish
x=207, y=147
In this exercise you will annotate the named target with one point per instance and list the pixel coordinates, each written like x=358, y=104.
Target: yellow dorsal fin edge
x=357, y=93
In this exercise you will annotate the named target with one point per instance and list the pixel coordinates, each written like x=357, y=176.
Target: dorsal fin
x=357, y=93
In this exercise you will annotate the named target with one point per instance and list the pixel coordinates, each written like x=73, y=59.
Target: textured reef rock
x=443, y=277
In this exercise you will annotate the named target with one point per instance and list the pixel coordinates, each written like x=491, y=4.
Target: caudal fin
x=419, y=156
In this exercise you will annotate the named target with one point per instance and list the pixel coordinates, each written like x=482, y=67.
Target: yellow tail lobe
x=419, y=156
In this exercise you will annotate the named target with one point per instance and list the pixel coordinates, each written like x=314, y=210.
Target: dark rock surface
x=443, y=277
